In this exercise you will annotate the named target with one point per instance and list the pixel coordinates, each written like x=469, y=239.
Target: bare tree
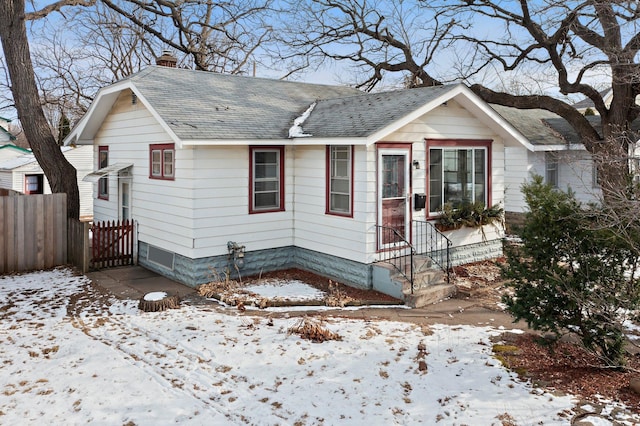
x=574, y=43
x=13, y=34
x=576, y=40
x=378, y=38
x=221, y=36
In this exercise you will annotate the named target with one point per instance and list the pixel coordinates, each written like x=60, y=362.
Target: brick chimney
x=167, y=59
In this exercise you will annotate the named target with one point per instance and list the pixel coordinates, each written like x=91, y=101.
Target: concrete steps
x=429, y=283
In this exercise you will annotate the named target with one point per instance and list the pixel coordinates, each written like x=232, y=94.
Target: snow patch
x=296, y=130
x=155, y=296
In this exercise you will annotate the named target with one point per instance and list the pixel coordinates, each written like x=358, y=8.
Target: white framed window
x=340, y=180
x=266, y=189
x=458, y=174
x=551, y=168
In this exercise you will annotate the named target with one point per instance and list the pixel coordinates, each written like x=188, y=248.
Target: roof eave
x=300, y=141
x=556, y=147
x=84, y=132
x=469, y=100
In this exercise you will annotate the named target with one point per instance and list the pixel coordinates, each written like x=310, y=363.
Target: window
x=551, y=168
x=458, y=173
x=33, y=184
x=162, y=161
x=103, y=183
x=339, y=180
x=266, y=174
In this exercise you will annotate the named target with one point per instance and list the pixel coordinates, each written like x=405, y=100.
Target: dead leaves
x=337, y=298
x=313, y=330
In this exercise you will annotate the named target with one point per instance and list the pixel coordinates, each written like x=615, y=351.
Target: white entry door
x=124, y=195
x=393, y=193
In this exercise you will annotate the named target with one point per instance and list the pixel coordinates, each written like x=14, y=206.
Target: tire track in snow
x=208, y=381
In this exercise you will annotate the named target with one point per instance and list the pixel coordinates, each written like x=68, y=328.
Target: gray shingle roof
x=533, y=124
x=203, y=105
x=208, y=106
x=363, y=115
x=543, y=127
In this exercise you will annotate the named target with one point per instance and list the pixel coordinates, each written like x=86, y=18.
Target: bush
x=570, y=275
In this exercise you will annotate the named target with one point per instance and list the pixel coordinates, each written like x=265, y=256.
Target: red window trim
x=105, y=196
x=40, y=189
x=252, y=149
x=162, y=147
x=458, y=143
x=328, y=184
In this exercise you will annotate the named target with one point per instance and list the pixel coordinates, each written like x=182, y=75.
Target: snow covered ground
x=71, y=355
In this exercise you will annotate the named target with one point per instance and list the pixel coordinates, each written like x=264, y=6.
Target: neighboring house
x=555, y=152
x=23, y=174
x=586, y=103
x=5, y=135
x=288, y=174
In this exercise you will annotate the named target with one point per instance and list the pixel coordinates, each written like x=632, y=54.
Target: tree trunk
x=60, y=173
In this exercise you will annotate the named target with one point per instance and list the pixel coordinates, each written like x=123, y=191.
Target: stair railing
x=434, y=244
x=397, y=251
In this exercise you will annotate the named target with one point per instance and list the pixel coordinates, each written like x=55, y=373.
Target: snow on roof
x=296, y=130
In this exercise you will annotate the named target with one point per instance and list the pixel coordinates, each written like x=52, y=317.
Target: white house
x=554, y=152
x=220, y=168
x=5, y=135
x=21, y=172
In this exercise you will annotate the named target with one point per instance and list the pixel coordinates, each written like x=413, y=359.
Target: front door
x=393, y=195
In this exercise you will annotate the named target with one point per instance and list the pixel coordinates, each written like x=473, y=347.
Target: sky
x=71, y=355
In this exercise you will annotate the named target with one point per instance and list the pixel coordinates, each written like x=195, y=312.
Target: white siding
x=314, y=230
x=81, y=158
x=220, y=178
x=517, y=172
x=207, y=204
x=446, y=122
x=163, y=208
x=19, y=173
x=6, y=179
x=575, y=171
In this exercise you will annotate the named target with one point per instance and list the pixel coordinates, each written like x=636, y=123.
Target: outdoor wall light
x=416, y=164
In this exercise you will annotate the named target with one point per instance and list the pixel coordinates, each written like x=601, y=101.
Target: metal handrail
x=434, y=244
x=396, y=241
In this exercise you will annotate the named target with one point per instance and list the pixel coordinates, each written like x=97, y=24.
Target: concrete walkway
x=133, y=282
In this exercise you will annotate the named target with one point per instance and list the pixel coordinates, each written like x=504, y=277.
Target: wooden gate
x=112, y=243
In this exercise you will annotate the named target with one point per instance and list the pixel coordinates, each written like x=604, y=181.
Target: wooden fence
x=33, y=232
x=78, y=244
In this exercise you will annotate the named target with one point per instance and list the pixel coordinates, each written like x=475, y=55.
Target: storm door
x=393, y=195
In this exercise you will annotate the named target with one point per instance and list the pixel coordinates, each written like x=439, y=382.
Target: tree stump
x=158, y=301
